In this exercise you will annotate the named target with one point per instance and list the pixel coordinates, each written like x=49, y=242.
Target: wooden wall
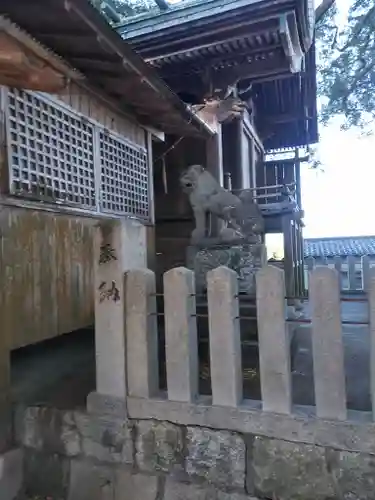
x=46, y=275
x=46, y=268
x=93, y=107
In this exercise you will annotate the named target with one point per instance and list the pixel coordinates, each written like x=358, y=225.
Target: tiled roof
x=329, y=247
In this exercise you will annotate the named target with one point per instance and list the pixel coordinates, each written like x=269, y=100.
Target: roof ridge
x=330, y=238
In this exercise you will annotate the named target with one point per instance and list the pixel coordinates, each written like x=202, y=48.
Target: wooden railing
x=354, y=272
x=265, y=195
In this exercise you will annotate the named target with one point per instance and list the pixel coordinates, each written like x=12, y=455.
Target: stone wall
x=76, y=456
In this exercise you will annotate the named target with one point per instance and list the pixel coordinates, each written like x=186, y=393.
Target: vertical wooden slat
x=270, y=173
x=351, y=272
x=181, y=334
x=288, y=257
x=274, y=344
x=141, y=333
x=365, y=272
x=371, y=307
x=225, y=341
x=296, y=259
x=302, y=257
x=109, y=312
x=327, y=341
x=214, y=158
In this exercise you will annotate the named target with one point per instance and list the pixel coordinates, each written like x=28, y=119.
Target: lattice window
x=124, y=184
x=50, y=151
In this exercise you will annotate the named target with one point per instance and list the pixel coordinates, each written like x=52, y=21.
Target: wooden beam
x=238, y=34
x=124, y=83
x=21, y=68
x=221, y=79
x=250, y=58
x=110, y=67
x=285, y=118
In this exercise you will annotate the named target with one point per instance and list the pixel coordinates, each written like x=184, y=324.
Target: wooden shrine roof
x=268, y=43
x=79, y=34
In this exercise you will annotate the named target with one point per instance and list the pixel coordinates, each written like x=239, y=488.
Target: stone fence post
x=181, y=341
x=327, y=342
x=274, y=342
x=141, y=333
x=371, y=308
x=225, y=339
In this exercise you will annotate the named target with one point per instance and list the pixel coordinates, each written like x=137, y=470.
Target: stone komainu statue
x=241, y=215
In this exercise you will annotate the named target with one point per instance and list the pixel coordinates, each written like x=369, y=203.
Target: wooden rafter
x=20, y=67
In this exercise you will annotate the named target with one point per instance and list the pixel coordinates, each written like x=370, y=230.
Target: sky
x=338, y=201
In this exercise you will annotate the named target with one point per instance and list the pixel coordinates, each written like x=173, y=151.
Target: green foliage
x=346, y=65
x=133, y=7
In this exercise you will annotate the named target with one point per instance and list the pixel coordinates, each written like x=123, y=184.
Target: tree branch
x=323, y=8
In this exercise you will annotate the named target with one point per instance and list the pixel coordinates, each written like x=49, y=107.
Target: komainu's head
x=189, y=179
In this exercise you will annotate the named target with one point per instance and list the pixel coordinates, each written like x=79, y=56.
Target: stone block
x=102, y=404
x=243, y=258
x=41, y=429
x=217, y=457
x=354, y=474
x=130, y=486
x=11, y=474
x=89, y=481
x=104, y=439
x=182, y=491
x=289, y=471
x=45, y=475
x=159, y=446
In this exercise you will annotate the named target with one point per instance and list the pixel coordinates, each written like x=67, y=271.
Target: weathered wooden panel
x=46, y=275
x=92, y=107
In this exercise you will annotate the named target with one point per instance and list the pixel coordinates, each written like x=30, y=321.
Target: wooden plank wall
x=92, y=107
x=46, y=275
x=46, y=271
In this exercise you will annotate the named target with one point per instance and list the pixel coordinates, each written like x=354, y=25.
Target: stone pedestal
x=244, y=258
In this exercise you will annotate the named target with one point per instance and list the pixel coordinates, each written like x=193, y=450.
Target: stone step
x=11, y=474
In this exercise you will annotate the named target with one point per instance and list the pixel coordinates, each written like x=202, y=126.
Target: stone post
x=327, y=342
x=110, y=394
x=225, y=340
x=141, y=333
x=274, y=342
x=371, y=304
x=181, y=335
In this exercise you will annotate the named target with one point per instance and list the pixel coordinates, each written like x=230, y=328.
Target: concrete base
x=100, y=404
x=11, y=474
x=244, y=258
